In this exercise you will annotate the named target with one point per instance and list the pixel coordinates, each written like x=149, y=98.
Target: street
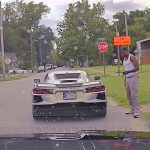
x=16, y=114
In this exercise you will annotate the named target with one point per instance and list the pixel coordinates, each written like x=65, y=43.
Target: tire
x=105, y=111
x=35, y=117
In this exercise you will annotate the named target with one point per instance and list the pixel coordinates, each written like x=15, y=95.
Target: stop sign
x=102, y=47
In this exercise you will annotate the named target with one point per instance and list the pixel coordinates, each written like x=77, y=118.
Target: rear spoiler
x=44, y=85
x=69, y=85
x=63, y=85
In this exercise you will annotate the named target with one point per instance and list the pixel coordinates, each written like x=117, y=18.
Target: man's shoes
x=136, y=116
x=128, y=113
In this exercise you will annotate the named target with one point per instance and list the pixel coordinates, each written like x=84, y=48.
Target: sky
x=58, y=8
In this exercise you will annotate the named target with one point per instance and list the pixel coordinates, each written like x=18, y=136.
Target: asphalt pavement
x=16, y=114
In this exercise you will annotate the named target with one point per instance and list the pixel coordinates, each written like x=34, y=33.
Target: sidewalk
x=144, y=111
x=145, y=108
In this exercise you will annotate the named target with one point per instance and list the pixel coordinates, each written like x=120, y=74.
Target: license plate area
x=69, y=95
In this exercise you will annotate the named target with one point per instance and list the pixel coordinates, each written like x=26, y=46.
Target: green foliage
x=81, y=30
x=21, y=23
x=146, y=115
x=44, y=38
x=138, y=25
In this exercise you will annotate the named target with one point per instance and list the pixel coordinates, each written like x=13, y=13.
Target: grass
x=100, y=69
x=115, y=84
x=116, y=89
x=13, y=77
x=16, y=76
x=146, y=115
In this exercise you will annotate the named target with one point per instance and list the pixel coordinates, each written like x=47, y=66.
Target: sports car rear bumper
x=73, y=109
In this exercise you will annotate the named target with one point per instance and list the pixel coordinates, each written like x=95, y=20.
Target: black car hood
x=82, y=140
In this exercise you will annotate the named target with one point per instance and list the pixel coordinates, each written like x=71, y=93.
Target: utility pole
x=41, y=57
x=31, y=47
x=118, y=54
x=2, y=41
x=40, y=48
x=126, y=26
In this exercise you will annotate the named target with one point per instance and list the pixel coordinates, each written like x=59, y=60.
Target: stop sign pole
x=103, y=47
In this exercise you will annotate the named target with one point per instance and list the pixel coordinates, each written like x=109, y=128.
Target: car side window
x=86, y=77
x=46, y=77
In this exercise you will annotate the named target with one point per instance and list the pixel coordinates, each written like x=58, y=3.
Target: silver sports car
x=68, y=93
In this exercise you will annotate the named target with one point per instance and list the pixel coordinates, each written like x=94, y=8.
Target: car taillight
x=95, y=89
x=42, y=91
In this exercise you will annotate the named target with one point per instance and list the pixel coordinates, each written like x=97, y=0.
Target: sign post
x=118, y=54
x=104, y=64
x=103, y=47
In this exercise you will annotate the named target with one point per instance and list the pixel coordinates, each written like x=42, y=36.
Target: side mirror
x=97, y=78
x=37, y=81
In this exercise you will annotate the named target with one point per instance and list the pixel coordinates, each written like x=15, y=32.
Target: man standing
x=131, y=80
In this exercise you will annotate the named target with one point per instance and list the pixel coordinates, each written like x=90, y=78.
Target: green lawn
x=115, y=84
x=14, y=77
x=109, y=69
x=146, y=116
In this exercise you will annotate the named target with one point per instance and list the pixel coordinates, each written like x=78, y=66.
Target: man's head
x=124, y=53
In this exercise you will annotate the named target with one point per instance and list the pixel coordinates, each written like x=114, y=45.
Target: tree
x=138, y=25
x=21, y=22
x=44, y=39
x=81, y=29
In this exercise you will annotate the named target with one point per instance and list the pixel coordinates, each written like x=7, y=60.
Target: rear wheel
x=35, y=117
x=104, y=113
x=34, y=111
x=104, y=110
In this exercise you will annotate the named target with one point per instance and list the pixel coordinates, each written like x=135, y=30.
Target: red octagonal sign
x=102, y=47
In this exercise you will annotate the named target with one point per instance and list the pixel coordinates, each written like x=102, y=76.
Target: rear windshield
x=67, y=75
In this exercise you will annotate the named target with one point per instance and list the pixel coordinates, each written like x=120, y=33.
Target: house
x=143, y=51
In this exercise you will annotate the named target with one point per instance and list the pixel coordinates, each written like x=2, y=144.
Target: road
x=16, y=114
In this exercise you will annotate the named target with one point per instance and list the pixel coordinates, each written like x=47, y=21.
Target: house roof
x=143, y=40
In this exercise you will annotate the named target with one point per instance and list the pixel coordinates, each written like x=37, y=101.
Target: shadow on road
x=69, y=119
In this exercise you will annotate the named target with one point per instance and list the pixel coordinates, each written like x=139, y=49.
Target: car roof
x=66, y=71
x=15, y=68
x=69, y=71
x=48, y=64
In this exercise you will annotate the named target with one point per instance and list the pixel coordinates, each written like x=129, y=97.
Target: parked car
x=54, y=66
x=68, y=93
x=48, y=67
x=115, y=62
x=41, y=69
x=17, y=71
